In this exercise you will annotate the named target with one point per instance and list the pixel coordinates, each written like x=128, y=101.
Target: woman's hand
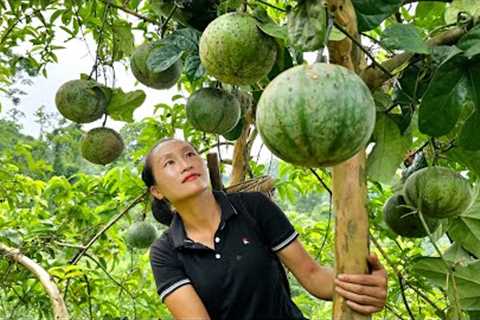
x=364, y=293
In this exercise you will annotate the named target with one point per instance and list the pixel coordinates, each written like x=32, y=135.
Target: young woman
x=222, y=254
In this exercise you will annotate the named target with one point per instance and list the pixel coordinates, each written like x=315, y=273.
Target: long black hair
x=161, y=209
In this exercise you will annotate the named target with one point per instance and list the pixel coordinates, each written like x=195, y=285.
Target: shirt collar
x=177, y=229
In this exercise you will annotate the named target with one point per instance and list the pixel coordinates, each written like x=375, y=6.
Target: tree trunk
x=59, y=309
x=349, y=181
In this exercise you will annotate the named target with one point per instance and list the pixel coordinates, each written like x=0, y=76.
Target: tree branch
x=375, y=78
x=106, y=227
x=59, y=309
x=130, y=12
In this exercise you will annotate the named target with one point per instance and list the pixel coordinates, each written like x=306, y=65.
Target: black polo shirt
x=242, y=278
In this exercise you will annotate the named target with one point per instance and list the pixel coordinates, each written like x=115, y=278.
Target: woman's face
x=172, y=162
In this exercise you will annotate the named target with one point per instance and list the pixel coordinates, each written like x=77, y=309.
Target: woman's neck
x=200, y=214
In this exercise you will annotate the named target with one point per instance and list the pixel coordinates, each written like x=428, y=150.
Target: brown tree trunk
x=349, y=181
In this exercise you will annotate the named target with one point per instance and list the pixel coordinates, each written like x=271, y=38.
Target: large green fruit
x=101, y=145
x=235, y=51
x=213, y=110
x=157, y=80
x=316, y=115
x=141, y=235
x=404, y=221
x=81, y=101
x=195, y=13
x=438, y=192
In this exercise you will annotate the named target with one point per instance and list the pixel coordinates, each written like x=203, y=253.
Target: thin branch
x=394, y=312
x=115, y=281
x=163, y=28
x=89, y=293
x=359, y=45
x=451, y=271
x=376, y=41
x=133, y=13
x=321, y=181
x=214, y=145
x=375, y=78
x=399, y=274
x=271, y=6
x=107, y=226
x=59, y=308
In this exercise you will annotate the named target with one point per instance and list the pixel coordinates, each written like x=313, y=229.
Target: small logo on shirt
x=245, y=241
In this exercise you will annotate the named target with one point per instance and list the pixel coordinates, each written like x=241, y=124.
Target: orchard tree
x=369, y=107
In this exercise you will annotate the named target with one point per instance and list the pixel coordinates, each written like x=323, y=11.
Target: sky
x=75, y=59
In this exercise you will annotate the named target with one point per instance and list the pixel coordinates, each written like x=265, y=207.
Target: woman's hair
x=161, y=209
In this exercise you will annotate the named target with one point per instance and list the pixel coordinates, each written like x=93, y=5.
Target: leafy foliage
x=52, y=201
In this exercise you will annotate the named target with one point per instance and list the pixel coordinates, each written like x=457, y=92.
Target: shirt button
x=217, y=239
x=218, y=256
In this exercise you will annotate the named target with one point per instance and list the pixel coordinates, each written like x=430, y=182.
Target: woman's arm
x=365, y=293
x=185, y=304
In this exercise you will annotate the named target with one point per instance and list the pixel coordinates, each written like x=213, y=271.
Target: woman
x=220, y=257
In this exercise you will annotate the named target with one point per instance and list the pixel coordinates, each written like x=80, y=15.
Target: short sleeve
x=167, y=270
x=277, y=230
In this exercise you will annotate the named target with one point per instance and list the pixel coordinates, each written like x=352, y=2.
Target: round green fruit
x=81, y=101
x=235, y=51
x=236, y=132
x=438, y=192
x=101, y=145
x=213, y=110
x=316, y=115
x=157, y=80
x=404, y=221
x=195, y=13
x=141, y=235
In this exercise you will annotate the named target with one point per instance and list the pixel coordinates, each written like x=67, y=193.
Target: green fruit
x=101, y=145
x=157, y=80
x=81, y=101
x=195, y=13
x=404, y=221
x=438, y=192
x=235, y=51
x=236, y=132
x=316, y=115
x=141, y=235
x=213, y=110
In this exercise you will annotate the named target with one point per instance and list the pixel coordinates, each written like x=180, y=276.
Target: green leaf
x=389, y=150
x=470, y=42
x=404, y=37
x=307, y=25
x=465, y=229
x=430, y=15
x=473, y=71
x=370, y=13
x=442, y=103
x=470, y=159
x=193, y=68
x=122, y=105
x=466, y=279
x=162, y=57
x=468, y=6
x=457, y=255
x=123, y=42
x=185, y=39
x=469, y=138
x=274, y=30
